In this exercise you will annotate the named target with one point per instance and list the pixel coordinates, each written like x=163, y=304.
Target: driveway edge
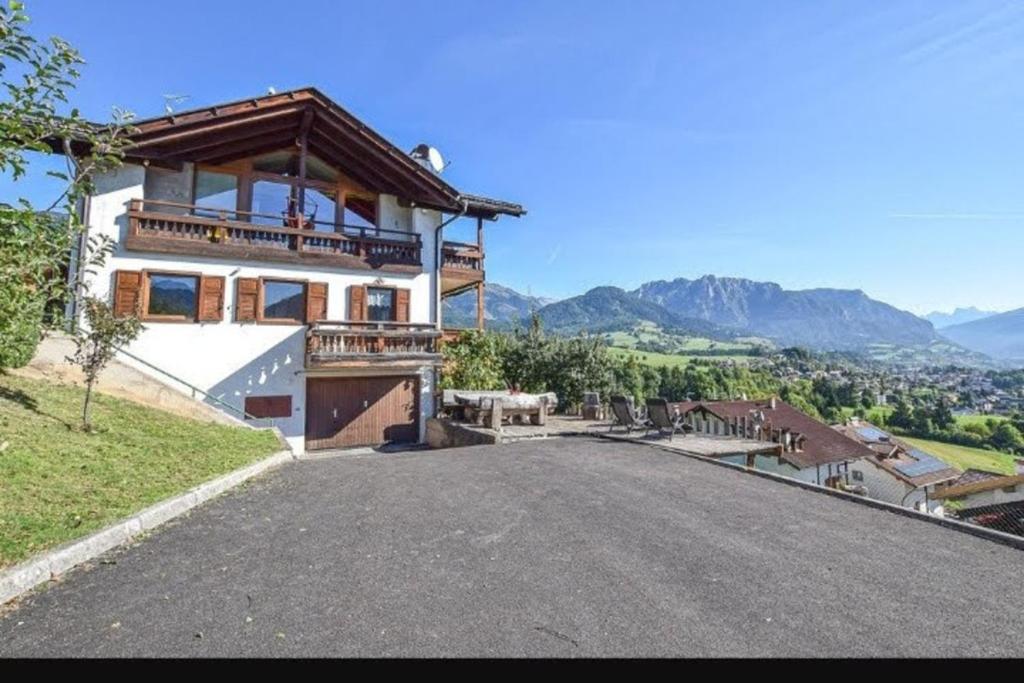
x=954, y=524
x=23, y=577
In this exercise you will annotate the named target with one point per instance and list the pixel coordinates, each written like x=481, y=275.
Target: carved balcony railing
x=462, y=256
x=349, y=343
x=462, y=267
x=171, y=227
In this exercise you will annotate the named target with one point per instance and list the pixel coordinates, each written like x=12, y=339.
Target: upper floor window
x=172, y=296
x=380, y=303
x=360, y=212
x=284, y=300
x=215, y=190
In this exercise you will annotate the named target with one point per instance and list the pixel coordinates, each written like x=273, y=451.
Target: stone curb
x=22, y=578
x=954, y=524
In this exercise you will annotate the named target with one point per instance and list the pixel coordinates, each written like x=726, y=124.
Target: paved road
x=572, y=547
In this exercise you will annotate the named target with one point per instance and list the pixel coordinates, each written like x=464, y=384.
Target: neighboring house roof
x=979, y=486
x=821, y=444
x=904, y=461
x=224, y=132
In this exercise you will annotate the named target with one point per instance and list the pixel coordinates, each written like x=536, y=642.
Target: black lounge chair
x=627, y=416
x=664, y=419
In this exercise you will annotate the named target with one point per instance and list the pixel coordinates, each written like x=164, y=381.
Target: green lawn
x=58, y=483
x=966, y=458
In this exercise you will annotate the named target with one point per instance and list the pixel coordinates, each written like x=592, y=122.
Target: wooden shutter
x=211, y=298
x=357, y=302
x=316, y=301
x=402, y=305
x=247, y=294
x=127, y=293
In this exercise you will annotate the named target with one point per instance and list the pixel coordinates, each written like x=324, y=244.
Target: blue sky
x=870, y=145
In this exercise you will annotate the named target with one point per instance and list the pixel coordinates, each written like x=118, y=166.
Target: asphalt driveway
x=571, y=547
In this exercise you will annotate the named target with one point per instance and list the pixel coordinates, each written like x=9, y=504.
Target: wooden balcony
x=346, y=344
x=173, y=228
x=462, y=267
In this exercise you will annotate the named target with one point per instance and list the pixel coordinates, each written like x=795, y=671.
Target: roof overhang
x=226, y=132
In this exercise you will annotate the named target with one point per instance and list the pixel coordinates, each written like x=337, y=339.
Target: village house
x=992, y=500
x=289, y=262
x=896, y=472
x=807, y=449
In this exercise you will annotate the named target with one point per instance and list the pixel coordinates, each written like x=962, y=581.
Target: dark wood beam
x=203, y=142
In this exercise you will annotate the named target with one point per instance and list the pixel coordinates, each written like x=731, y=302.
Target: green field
x=672, y=344
x=670, y=359
x=965, y=458
x=58, y=482
x=965, y=420
x=877, y=415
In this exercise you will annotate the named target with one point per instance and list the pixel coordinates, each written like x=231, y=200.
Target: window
x=360, y=212
x=215, y=191
x=1009, y=489
x=321, y=206
x=284, y=301
x=270, y=199
x=172, y=296
x=380, y=303
x=857, y=475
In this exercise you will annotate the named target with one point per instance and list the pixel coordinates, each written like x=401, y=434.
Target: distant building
x=991, y=500
x=896, y=472
x=807, y=449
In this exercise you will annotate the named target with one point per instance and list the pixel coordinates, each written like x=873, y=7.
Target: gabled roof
x=897, y=457
x=224, y=132
x=821, y=445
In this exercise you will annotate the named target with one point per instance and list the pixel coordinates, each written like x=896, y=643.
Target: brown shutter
x=357, y=302
x=211, y=298
x=316, y=301
x=127, y=293
x=247, y=294
x=402, y=305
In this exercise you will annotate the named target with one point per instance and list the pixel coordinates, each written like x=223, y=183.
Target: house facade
x=288, y=264
x=897, y=472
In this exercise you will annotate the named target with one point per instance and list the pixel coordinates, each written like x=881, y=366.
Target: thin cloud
x=555, y=253
x=958, y=216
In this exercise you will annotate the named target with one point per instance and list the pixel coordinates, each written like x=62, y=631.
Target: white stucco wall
x=231, y=360
x=994, y=497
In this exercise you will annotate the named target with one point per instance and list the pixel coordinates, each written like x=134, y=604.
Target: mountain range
x=726, y=308
x=961, y=315
x=1000, y=336
x=714, y=307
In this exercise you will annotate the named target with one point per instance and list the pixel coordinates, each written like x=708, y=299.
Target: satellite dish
x=430, y=157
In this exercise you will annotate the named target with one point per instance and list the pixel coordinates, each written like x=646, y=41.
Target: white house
x=807, y=450
x=289, y=262
x=897, y=472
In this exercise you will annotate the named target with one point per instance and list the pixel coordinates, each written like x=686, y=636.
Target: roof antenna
x=171, y=100
x=271, y=90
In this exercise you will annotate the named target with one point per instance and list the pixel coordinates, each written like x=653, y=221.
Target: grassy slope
x=58, y=483
x=966, y=458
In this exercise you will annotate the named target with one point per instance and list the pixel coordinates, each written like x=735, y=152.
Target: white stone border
x=22, y=578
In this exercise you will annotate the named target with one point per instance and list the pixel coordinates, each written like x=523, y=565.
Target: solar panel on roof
x=925, y=464
x=872, y=434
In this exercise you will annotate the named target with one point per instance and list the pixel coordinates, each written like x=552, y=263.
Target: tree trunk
x=86, y=425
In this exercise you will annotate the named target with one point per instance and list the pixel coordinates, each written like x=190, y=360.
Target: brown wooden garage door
x=361, y=411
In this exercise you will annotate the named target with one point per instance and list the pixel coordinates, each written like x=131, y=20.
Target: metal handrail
x=245, y=415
